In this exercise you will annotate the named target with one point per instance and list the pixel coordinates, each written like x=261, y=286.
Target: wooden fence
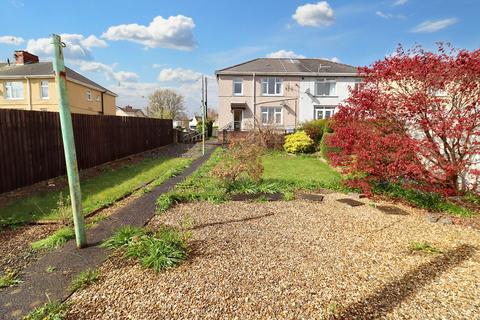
x=31, y=148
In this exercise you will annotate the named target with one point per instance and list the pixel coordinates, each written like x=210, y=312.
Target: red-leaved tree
x=415, y=120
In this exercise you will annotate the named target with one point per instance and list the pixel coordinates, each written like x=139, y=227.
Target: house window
x=323, y=112
x=272, y=86
x=14, y=90
x=97, y=98
x=237, y=87
x=44, y=89
x=272, y=115
x=358, y=85
x=89, y=95
x=325, y=87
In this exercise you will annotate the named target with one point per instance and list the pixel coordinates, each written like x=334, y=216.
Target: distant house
x=29, y=84
x=193, y=122
x=181, y=123
x=281, y=92
x=129, y=111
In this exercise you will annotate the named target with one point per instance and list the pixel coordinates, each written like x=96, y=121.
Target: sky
x=135, y=47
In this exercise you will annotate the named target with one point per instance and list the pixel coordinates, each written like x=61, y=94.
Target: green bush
x=315, y=129
x=298, y=142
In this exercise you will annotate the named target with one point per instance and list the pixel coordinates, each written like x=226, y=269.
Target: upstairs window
x=89, y=95
x=358, y=85
x=44, y=89
x=272, y=115
x=325, y=88
x=14, y=90
x=272, y=86
x=237, y=87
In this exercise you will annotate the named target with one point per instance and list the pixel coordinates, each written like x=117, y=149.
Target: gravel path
x=297, y=260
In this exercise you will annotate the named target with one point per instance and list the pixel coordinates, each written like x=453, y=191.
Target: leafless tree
x=166, y=104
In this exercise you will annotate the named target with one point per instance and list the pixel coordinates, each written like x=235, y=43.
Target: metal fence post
x=68, y=142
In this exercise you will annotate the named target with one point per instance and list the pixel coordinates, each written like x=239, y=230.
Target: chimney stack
x=25, y=57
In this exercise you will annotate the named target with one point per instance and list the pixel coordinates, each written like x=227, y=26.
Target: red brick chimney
x=24, y=57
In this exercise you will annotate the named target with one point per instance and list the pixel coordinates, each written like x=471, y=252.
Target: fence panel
x=31, y=147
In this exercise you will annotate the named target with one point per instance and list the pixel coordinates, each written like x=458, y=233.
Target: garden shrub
x=298, y=142
x=242, y=160
x=315, y=129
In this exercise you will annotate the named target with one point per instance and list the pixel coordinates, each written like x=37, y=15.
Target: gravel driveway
x=297, y=260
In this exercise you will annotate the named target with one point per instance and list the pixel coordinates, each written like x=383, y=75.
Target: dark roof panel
x=289, y=65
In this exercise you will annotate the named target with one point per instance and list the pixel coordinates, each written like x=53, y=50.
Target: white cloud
x=285, y=54
x=334, y=59
x=11, y=40
x=77, y=46
x=385, y=15
x=108, y=71
x=179, y=75
x=175, y=32
x=399, y=3
x=433, y=26
x=314, y=14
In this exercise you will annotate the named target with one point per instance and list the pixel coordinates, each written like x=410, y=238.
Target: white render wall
x=308, y=101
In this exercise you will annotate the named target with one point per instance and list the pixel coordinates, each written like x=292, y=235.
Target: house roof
x=45, y=69
x=130, y=109
x=290, y=66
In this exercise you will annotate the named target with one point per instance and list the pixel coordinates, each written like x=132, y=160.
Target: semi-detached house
x=28, y=84
x=281, y=92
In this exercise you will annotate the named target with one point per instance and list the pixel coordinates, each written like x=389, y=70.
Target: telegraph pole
x=68, y=142
x=203, y=116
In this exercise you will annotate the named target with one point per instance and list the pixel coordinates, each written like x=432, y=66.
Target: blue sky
x=136, y=46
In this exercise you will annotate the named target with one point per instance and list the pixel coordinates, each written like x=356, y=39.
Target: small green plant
x=123, y=237
x=9, y=278
x=424, y=247
x=84, y=279
x=298, y=142
x=64, y=210
x=56, y=240
x=50, y=269
x=156, y=250
x=288, y=196
x=332, y=310
x=49, y=311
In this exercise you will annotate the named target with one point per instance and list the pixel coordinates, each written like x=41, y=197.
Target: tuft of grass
x=55, y=240
x=9, y=278
x=159, y=250
x=288, y=195
x=122, y=237
x=49, y=311
x=64, y=210
x=164, y=249
x=424, y=247
x=50, y=269
x=84, y=279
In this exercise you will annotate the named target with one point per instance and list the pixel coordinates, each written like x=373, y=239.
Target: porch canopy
x=241, y=106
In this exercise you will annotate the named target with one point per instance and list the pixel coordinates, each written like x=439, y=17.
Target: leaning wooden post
x=68, y=142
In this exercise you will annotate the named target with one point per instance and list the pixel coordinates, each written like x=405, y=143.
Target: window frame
x=277, y=80
x=237, y=81
x=88, y=94
x=8, y=84
x=265, y=110
x=42, y=82
x=323, y=110
x=323, y=81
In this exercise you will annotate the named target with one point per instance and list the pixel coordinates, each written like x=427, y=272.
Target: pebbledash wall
x=308, y=100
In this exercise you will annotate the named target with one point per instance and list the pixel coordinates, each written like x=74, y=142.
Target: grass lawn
x=97, y=192
x=299, y=170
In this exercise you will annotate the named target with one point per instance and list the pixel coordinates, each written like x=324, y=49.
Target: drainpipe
x=101, y=97
x=29, y=93
x=254, y=101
